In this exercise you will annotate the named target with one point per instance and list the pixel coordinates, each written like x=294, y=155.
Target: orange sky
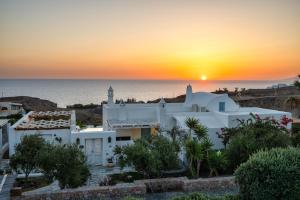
x=139, y=39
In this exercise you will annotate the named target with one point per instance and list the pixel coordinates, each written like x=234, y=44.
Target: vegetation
x=26, y=154
x=297, y=82
x=199, y=196
x=199, y=150
x=65, y=163
x=127, y=177
x=31, y=184
x=149, y=156
x=272, y=174
x=14, y=118
x=252, y=135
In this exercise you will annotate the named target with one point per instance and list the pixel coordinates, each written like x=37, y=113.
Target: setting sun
x=203, y=77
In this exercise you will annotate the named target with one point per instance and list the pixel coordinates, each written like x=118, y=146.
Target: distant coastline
x=91, y=114
x=68, y=91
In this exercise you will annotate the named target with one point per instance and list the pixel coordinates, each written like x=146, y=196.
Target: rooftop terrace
x=45, y=120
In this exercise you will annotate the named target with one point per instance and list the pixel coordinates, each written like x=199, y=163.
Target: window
x=123, y=138
x=221, y=106
x=109, y=139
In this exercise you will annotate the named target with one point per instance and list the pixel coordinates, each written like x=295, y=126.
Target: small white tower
x=162, y=113
x=189, y=94
x=110, y=95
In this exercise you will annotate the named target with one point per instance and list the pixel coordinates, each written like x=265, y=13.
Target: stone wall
x=86, y=193
x=137, y=188
x=163, y=184
x=209, y=184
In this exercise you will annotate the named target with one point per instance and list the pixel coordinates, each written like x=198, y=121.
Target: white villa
x=215, y=111
x=122, y=123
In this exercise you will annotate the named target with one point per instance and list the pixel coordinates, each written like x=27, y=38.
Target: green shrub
x=149, y=156
x=199, y=196
x=296, y=139
x=253, y=135
x=268, y=175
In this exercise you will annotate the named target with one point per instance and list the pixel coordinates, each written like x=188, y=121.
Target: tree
x=65, y=163
x=191, y=123
x=26, y=154
x=196, y=148
x=297, y=82
x=291, y=102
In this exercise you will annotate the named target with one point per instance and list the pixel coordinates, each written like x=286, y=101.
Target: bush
x=254, y=135
x=268, y=175
x=199, y=196
x=150, y=156
x=296, y=139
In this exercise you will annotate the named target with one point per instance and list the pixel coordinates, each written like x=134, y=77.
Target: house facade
x=123, y=123
x=214, y=111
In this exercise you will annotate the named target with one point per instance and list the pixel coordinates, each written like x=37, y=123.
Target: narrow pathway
x=6, y=185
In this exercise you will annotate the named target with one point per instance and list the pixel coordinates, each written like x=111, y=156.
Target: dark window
x=109, y=139
x=221, y=106
x=126, y=138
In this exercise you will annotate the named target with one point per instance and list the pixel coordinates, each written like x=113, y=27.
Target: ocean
x=68, y=92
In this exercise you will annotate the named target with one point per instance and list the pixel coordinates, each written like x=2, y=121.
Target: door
x=93, y=151
x=145, y=133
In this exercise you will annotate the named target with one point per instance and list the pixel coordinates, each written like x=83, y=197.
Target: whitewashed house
x=215, y=111
x=60, y=127
x=10, y=108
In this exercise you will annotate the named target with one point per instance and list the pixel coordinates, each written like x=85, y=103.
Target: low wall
x=97, y=192
x=209, y=184
x=137, y=188
x=163, y=184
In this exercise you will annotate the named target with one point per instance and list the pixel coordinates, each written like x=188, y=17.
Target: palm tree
x=200, y=131
x=291, y=102
x=191, y=123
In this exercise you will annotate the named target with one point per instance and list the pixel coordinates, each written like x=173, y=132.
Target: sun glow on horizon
x=203, y=78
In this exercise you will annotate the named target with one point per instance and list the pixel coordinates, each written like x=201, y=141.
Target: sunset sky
x=154, y=39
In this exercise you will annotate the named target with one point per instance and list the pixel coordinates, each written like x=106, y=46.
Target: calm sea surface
x=67, y=92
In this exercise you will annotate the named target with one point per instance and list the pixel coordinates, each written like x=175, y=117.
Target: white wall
x=107, y=148
x=15, y=136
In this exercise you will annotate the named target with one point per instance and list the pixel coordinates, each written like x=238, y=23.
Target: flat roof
x=207, y=119
x=45, y=120
x=133, y=123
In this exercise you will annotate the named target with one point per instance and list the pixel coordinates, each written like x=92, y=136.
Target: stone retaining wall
x=209, y=184
x=96, y=192
x=137, y=188
x=163, y=184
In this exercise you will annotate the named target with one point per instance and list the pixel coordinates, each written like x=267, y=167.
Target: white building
x=4, y=127
x=10, y=108
x=215, y=111
x=122, y=123
x=60, y=127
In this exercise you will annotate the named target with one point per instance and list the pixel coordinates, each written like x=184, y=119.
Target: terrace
x=46, y=120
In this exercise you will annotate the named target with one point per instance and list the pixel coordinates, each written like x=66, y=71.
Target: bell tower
x=189, y=94
x=110, y=96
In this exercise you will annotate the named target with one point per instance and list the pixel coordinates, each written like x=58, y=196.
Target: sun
x=203, y=78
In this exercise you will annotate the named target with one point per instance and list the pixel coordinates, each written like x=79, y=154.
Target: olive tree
x=26, y=153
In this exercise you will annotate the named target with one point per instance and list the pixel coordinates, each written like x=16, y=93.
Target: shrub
x=273, y=174
x=199, y=196
x=253, y=135
x=296, y=139
x=149, y=156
